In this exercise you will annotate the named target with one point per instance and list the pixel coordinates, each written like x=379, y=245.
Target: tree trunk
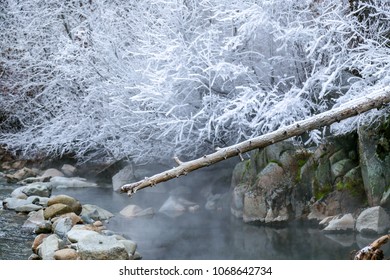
x=353, y=108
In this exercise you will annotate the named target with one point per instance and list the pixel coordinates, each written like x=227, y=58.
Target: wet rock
x=345, y=223
x=73, y=203
x=56, y=210
x=341, y=167
x=66, y=254
x=68, y=170
x=133, y=211
x=38, y=189
x=124, y=176
x=95, y=212
x=101, y=248
x=48, y=247
x=74, y=182
x=373, y=220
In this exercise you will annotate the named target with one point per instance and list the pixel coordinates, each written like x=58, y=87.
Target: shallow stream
x=200, y=235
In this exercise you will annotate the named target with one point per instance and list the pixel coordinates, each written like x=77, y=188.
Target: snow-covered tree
x=104, y=80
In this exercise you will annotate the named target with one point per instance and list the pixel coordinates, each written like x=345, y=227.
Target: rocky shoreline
x=64, y=228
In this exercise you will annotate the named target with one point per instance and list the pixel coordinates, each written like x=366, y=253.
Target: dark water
x=200, y=235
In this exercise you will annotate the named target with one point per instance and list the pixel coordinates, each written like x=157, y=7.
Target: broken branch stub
x=350, y=109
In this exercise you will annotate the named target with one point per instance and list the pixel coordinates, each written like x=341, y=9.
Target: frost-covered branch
x=146, y=80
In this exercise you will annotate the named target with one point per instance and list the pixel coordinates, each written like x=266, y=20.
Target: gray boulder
x=27, y=208
x=133, y=211
x=75, y=234
x=62, y=226
x=373, y=220
x=34, y=220
x=101, y=248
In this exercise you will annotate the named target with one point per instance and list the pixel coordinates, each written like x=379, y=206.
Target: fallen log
x=358, y=106
x=373, y=251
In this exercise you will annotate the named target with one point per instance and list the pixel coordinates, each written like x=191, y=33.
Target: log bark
x=374, y=100
x=373, y=251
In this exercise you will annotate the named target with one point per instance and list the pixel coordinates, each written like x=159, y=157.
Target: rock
x=75, y=234
x=38, y=189
x=237, y=201
x=133, y=211
x=38, y=241
x=74, y=182
x=45, y=227
x=66, y=254
x=34, y=257
x=101, y=248
x=95, y=212
x=68, y=170
x=27, y=208
x=123, y=177
x=175, y=206
x=34, y=219
x=73, y=203
x=136, y=256
x=52, y=172
x=20, y=175
x=75, y=218
x=18, y=193
x=48, y=247
x=345, y=223
x=375, y=162
x=62, y=226
x=56, y=210
x=255, y=209
x=341, y=167
x=373, y=220
x=130, y=246
x=11, y=203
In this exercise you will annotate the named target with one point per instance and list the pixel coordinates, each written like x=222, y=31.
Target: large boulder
x=374, y=151
x=48, y=247
x=101, y=247
x=373, y=220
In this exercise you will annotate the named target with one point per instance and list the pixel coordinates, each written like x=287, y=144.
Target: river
x=200, y=235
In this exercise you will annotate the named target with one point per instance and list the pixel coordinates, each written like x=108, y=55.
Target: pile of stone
x=65, y=229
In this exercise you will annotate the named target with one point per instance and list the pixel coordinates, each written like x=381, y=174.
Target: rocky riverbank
x=64, y=229
x=341, y=185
